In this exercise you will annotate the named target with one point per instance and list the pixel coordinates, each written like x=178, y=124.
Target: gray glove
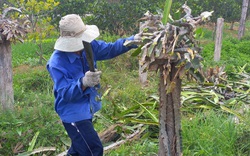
x=138, y=36
x=91, y=79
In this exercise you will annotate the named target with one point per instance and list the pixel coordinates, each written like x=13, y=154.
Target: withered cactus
x=173, y=51
x=10, y=31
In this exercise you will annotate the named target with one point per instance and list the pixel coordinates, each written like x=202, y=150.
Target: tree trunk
x=6, y=83
x=241, y=30
x=169, y=115
x=231, y=26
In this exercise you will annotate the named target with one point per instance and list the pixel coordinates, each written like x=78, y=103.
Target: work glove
x=137, y=37
x=91, y=79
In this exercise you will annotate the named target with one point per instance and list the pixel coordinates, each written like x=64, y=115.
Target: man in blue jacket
x=75, y=86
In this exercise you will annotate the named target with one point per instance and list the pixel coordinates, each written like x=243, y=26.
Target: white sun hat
x=72, y=32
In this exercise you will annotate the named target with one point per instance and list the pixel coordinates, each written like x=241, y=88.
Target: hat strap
x=70, y=33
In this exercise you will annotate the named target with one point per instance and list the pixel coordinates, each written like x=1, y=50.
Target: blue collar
x=71, y=56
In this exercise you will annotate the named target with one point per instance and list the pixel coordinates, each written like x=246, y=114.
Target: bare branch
x=5, y=11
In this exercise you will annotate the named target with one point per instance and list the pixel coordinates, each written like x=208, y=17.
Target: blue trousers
x=85, y=140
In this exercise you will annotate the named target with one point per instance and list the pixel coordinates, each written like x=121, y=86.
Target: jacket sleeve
x=104, y=51
x=67, y=88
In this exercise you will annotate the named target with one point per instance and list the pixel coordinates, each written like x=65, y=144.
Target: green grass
x=26, y=53
x=234, y=53
x=209, y=133
x=144, y=147
x=19, y=127
x=22, y=53
x=206, y=133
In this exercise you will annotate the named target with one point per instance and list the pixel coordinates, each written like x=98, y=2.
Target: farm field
x=215, y=113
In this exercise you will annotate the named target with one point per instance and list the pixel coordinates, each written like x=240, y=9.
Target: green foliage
x=36, y=13
x=230, y=10
x=21, y=52
x=166, y=11
x=243, y=144
x=107, y=37
x=209, y=133
x=128, y=88
x=18, y=128
x=105, y=13
x=32, y=86
x=65, y=7
x=126, y=22
x=143, y=147
x=36, y=79
x=26, y=53
x=234, y=53
x=26, y=128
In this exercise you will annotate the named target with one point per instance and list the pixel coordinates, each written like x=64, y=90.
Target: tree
x=231, y=11
x=37, y=12
x=241, y=30
x=171, y=50
x=227, y=9
x=65, y=7
x=114, y=16
x=10, y=30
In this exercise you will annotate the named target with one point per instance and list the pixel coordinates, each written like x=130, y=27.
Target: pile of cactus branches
x=12, y=30
x=174, y=42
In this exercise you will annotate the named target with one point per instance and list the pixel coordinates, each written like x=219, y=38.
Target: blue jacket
x=66, y=70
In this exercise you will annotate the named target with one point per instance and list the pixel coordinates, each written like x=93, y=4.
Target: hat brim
x=91, y=33
x=73, y=44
